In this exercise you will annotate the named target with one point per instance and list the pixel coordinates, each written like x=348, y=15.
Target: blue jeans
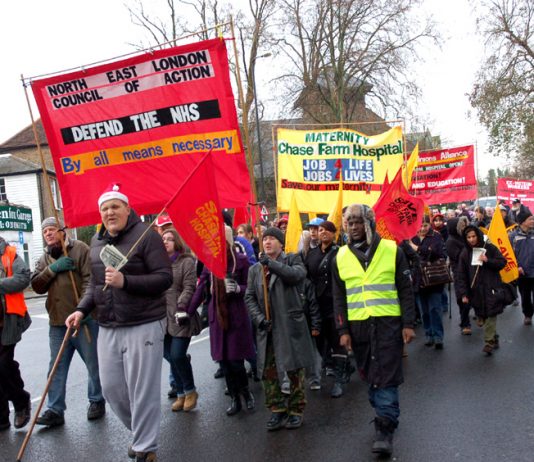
x=87, y=351
x=385, y=402
x=431, y=308
x=175, y=351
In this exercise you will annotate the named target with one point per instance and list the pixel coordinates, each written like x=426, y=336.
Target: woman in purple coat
x=231, y=337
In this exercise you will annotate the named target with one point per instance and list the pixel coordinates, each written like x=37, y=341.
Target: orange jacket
x=15, y=303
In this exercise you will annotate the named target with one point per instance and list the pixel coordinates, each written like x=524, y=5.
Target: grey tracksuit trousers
x=130, y=372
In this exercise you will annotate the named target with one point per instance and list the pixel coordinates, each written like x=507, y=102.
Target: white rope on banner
x=27, y=80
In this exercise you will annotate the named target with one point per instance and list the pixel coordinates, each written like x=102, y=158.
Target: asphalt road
x=456, y=405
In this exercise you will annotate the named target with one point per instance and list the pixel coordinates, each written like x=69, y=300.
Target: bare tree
x=504, y=93
x=342, y=51
x=252, y=26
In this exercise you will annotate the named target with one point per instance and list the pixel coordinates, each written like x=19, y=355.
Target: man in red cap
x=131, y=312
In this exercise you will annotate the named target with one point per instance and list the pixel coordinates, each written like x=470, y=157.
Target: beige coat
x=180, y=293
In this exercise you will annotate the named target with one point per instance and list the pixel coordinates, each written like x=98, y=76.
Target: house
x=22, y=182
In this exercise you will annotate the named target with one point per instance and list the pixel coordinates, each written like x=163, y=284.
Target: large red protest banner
x=445, y=176
x=143, y=122
x=510, y=188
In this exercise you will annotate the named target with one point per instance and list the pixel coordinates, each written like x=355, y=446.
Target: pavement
x=456, y=405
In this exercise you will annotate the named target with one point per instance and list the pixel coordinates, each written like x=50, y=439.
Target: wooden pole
x=49, y=187
x=45, y=392
x=250, y=162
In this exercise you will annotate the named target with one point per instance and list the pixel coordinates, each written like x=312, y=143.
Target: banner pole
x=275, y=166
x=476, y=171
x=250, y=160
x=49, y=188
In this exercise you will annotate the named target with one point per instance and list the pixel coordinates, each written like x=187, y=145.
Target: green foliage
x=86, y=233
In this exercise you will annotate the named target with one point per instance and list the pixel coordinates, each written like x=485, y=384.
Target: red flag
x=196, y=211
x=398, y=214
x=241, y=215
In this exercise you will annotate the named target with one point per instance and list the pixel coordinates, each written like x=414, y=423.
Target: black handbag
x=506, y=294
x=434, y=273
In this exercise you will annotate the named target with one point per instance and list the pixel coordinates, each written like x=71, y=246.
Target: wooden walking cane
x=263, y=275
x=71, y=276
x=45, y=392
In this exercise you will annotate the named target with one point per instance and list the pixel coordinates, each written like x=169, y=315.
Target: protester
x=52, y=275
x=455, y=245
x=319, y=265
x=481, y=218
x=517, y=208
x=180, y=325
x=522, y=240
x=282, y=223
x=506, y=216
x=245, y=231
x=476, y=283
x=374, y=312
x=14, y=320
x=439, y=225
x=131, y=313
x=230, y=327
x=283, y=338
x=313, y=228
x=163, y=223
x=429, y=245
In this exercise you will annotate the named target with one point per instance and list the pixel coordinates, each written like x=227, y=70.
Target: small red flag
x=398, y=214
x=241, y=215
x=197, y=214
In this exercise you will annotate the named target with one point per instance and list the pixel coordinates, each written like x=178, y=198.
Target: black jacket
x=319, y=266
x=377, y=342
x=147, y=275
x=486, y=279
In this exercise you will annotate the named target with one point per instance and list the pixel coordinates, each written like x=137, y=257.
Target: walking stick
x=450, y=302
x=45, y=392
x=263, y=276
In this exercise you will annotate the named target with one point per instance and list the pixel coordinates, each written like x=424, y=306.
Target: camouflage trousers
x=275, y=400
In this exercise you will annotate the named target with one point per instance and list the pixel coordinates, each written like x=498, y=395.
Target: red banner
x=142, y=122
x=445, y=176
x=198, y=217
x=398, y=214
x=509, y=189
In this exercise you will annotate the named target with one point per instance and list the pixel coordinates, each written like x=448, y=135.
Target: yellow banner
x=499, y=237
x=308, y=161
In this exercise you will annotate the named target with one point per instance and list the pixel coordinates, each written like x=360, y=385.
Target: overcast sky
x=39, y=37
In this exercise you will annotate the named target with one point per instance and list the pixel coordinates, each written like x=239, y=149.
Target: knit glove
x=232, y=287
x=264, y=260
x=62, y=264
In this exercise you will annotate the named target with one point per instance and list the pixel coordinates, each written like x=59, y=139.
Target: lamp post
x=266, y=55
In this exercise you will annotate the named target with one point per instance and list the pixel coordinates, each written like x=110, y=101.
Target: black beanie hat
x=276, y=233
x=522, y=216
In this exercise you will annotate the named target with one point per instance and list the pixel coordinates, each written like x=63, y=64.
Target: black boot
x=250, y=402
x=339, y=370
x=383, y=442
x=235, y=406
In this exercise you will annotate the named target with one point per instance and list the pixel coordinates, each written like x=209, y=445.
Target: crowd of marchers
x=347, y=300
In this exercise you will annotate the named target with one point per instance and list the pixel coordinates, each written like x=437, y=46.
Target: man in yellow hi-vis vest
x=374, y=310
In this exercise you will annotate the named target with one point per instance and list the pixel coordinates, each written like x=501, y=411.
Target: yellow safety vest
x=372, y=292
